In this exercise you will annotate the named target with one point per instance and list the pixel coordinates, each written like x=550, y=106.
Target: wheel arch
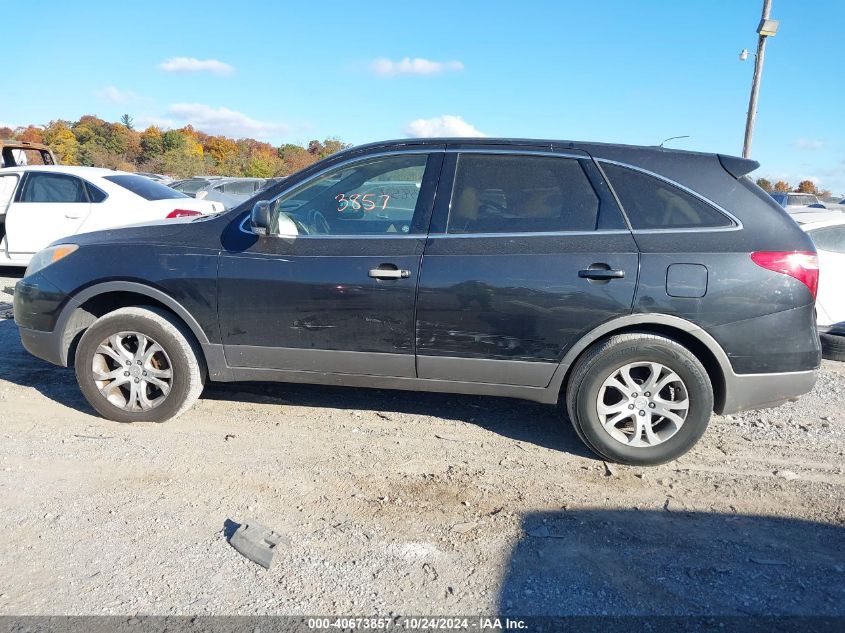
x=95, y=301
x=700, y=343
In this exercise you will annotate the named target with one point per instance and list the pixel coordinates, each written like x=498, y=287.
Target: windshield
x=144, y=187
x=190, y=186
x=801, y=199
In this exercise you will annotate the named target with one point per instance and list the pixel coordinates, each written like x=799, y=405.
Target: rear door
x=528, y=251
x=46, y=207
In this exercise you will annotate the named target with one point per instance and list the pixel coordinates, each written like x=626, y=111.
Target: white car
x=827, y=230
x=41, y=204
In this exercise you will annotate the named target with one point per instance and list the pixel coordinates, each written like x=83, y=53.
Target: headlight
x=48, y=256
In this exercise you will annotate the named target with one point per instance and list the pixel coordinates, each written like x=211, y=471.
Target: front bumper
x=761, y=391
x=44, y=345
x=37, y=306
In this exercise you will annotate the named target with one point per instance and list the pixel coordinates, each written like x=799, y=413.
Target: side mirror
x=264, y=220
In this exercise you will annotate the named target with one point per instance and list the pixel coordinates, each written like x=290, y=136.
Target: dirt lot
x=400, y=503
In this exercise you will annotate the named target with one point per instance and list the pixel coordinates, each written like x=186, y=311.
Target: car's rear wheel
x=138, y=365
x=639, y=399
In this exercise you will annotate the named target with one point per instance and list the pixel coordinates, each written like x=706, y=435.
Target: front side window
x=518, y=194
x=370, y=197
x=46, y=187
x=651, y=203
x=831, y=239
x=144, y=187
x=8, y=184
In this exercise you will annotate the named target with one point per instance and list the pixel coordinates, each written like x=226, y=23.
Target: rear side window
x=831, y=239
x=517, y=194
x=144, y=187
x=651, y=203
x=46, y=187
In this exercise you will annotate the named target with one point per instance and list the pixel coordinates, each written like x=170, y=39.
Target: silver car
x=233, y=191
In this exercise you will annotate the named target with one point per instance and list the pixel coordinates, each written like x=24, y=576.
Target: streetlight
x=767, y=28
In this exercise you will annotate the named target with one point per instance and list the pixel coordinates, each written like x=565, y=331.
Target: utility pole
x=766, y=29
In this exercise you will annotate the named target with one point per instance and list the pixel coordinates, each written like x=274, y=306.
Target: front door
x=527, y=253
x=340, y=296
x=47, y=207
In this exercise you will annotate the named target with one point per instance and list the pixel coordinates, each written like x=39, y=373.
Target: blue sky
x=618, y=71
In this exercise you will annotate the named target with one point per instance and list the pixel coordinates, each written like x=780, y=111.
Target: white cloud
x=808, y=143
x=446, y=125
x=219, y=121
x=115, y=95
x=194, y=65
x=416, y=66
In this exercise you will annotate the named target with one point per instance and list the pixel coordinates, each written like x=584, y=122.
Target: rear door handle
x=388, y=271
x=601, y=274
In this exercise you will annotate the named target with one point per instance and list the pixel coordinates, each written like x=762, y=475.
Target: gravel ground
x=402, y=503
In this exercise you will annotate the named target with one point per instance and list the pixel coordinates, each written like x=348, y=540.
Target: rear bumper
x=761, y=391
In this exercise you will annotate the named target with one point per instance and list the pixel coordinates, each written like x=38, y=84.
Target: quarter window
x=95, y=194
x=370, y=197
x=831, y=239
x=46, y=187
x=519, y=194
x=651, y=203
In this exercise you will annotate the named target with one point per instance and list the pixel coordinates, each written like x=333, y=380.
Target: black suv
x=638, y=288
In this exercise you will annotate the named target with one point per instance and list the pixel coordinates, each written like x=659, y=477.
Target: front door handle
x=389, y=271
x=601, y=274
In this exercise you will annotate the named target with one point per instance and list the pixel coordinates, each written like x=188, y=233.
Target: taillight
x=182, y=213
x=802, y=265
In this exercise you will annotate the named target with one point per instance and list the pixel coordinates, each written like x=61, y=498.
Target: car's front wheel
x=639, y=399
x=138, y=364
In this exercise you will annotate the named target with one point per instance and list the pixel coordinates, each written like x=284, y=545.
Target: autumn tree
x=781, y=186
x=765, y=185
x=30, y=134
x=806, y=186
x=223, y=150
x=62, y=141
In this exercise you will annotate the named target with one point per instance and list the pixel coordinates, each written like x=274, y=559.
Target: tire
x=685, y=394
x=155, y=397
x=833, y=346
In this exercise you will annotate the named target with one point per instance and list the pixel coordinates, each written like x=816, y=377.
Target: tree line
x=179, y=153
x=805, y=186
x=189, y=152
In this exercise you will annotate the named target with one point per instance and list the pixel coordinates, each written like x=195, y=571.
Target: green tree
x=128, y=121
x=173, y=139
x=152, y=145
